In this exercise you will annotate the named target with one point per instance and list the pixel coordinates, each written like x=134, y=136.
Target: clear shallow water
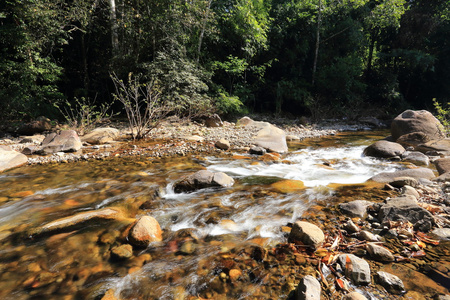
x=77, y=264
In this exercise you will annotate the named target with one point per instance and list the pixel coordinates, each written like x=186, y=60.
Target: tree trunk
x=316, y=50
x=114, y=28
x=370, y=57
x=202, y=32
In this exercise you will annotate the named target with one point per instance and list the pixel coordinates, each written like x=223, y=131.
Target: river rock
x=356, y=208
x=384, y=149
x=65, y=141
x=390, y=282
x=354, y=296
x=418, y=173
x=368, y=236
x=145, y=231
x=203, y=179
x=416, y=157
x=307, y=233
x=441, y=234
x=417, y=121
x=122, y=252
x=436, y=147
x=410, y=191
x=213, y=121
x=101, y=136
x=39, y=125
x=308, y=289
x=442, y=165
x=356, y=268
x=379, y=253
x=79, y=220
x=246, y=121
x=404, y=209
x=222, y=144
x=257, y=150
x=351, y=227
x=399, y=182
x=35, y=139
x=413, y=139
x=10, y=158
x=288, y=186
x=272, y=138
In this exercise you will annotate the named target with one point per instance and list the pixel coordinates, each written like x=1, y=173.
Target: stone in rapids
x=145, y=231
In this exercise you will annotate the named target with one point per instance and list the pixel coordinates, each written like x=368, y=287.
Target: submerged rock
x=308, y=289
x=288, y=186
x=356, y=208
x=379, y=253
x=122, y=252
x=356, y=268
x=145, y=231
x=307, y=233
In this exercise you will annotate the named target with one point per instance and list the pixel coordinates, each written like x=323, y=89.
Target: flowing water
x=77, y=263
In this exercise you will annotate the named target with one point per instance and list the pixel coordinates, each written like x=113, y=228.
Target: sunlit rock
x=203, y=179
x=400, y=182
x=409, y=191
x=441, y=233
x=272, y=139
x=356, y=208
x=379, y=253
x=222, y=144
x=417, y=121
x=307, y=233
x=418, y=173
x=354, y=296
x=101, y=136
x=356, y=268
x=65, y=141
x=122, y=252
x=11, y=159
x=390, y=282
x=384, y=149
x=442, y=165
x=416, y=157
x=308, y=289
x=145, y=231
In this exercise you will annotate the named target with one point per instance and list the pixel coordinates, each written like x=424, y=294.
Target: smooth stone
x=368, y=236
x=442, y=165
x=308, y=289
x=193, y=138
x=413, y=139
x=222, y=144
x=418, y=173
x=222, y=179
x=291, y=137
x=356, y=208
x=416, y=157
x=11, y=159
x=145, y=231
x=272, y=138
x=351, y=227
x=390, y=282
x=65, y=141
x=307, y=233
x=213, y=121
x=400, y=182
x=409, y=191
x=379, y=253
x=417, y=121
x=359, y=272
x=354, y=296
x=384, y=149
x=440, y=147
x=101, y=136
x=288, y=186
x=257, y=150
x=203, y=179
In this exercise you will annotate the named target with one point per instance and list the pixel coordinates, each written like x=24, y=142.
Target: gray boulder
x=203, y=179
x=10, y=158
x=413, y=139
x=308, y=289
x=356, y=208
x=357, y=269
x=404, y=209
x=400, y=182
x=384, y=149
x=418, y=173
x=442, y=165
x=417, y=121
x=435, y=147
x=272, y=138
x=390, y=282
x=307, y=233
x=65, y=141
x=101, y=136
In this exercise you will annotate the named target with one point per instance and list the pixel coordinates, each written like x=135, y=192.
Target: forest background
x=319, y=58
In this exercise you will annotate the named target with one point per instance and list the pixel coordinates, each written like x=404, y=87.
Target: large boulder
x=39, y=125
x=272, y=139
x=417, y=121
x=442, y=165
x=417, y=173
x=416, y=157
x=65, y=141
x=307, y=233
x=203, y=179
x=384, y=149
x=413, y=139
x=436, y=147
x=10, y=158
x=145, y=231
x=356, y=268
x=101, y=136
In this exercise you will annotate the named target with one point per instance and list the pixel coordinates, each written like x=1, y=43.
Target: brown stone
x=145, y=231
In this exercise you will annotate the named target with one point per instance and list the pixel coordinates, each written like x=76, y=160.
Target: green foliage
x=443, y=114
x=227, y=104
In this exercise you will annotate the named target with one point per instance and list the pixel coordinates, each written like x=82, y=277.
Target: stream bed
x=216, y=241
